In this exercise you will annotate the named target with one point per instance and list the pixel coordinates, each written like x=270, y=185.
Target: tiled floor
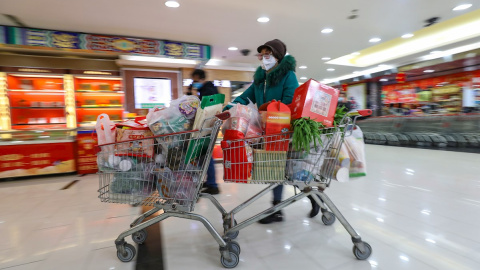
x=419, y=209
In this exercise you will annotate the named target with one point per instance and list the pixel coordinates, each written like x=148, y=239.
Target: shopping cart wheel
x=232, y=263
x=328, y=218
x=234, y=246
x=129, y=253
x=233, y=235
x=364, y=255
x=140, y=236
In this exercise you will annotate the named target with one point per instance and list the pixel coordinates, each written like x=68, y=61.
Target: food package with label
x=178, y=117
x=204, y=121
x=237, y=161
x=315, y=100
x=132, y=138
x=276, y=117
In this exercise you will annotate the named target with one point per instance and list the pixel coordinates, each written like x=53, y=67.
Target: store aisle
x=419, y=209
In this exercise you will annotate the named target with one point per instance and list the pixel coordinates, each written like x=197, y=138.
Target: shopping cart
x=164, y=172
x=272, y=160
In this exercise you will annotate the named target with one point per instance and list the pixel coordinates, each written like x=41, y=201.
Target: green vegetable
x=339, y=114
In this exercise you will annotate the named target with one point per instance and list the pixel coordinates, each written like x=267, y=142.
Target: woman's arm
x=244, y=97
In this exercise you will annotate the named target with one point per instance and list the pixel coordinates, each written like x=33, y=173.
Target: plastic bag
x=176, y=118
x=355, y=147
x=245, y=119
x=105, y=129
x=136, y=132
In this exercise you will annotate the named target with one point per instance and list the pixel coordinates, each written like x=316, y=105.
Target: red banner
x=86, y=157
x=36, y=159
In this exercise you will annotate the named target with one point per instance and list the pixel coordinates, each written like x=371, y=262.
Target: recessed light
x=407, y=35
x=374, y=40
x=462, y=7
x=355, y=53
x=327, y=30
x=429, y=71
x=232, y=48
x=326, y=58
x=302, y=67
x=330, y=69
x=172, y=4
x=263, y=19
x=404, y=258
x=430, y=240
x=303, y=78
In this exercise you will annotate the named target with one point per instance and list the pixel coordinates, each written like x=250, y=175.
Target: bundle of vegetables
x=306, y=130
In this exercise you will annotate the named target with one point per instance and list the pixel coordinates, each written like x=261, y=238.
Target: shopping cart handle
x=223, y=116
x=366, y=112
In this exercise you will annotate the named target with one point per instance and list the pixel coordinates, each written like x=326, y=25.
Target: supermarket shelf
x=100, y=91
x=36, y=124
x=37, y=107
x=100, y=107
x=36, y=131
x=42, y=90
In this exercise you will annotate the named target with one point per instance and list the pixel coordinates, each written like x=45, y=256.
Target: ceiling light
x=380, y=219
x=430, y=240
x=327, y=30
x=158, y=59
x=407, y=35
x=330, y=69
x=355, y=53
x=404, y=258
x=426, y=212
x=384, y=80
x=232, y=48
x=435, y=52
x=462, y=7
x=373, y=40
x=302, y=67
x=356, y=74
x=172, y=4
x=429, y=71
x=326, y=58
x=382, y=199
x=263, y=19
x=303, y=78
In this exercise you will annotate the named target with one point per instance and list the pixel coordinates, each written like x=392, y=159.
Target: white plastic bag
x=356, y=151
x=105, y=129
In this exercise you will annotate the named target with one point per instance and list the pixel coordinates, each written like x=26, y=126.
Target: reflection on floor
x=419, y=209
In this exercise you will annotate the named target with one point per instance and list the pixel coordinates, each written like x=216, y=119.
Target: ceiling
x=226, y=23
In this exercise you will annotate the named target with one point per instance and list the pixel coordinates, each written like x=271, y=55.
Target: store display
x=315, y=100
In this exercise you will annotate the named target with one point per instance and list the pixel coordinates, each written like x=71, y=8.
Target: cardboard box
x=315, y=100
x=269, y=165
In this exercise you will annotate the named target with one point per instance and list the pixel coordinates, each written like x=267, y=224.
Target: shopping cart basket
x=272, y=160
x=165, y=172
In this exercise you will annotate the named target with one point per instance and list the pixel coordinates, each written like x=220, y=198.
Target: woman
x=275, y=79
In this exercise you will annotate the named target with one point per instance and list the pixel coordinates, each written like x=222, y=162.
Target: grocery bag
x=355, y=147
x=204, y=121
x=134, y=133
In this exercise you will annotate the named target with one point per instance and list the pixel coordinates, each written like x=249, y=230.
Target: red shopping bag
x=237, y=157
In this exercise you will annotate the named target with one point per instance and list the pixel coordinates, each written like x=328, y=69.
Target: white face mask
x=269, y=63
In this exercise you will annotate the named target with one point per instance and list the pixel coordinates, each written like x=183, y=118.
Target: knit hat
x=278, y=48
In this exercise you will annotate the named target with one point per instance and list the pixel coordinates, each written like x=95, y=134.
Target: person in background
x=275, y=79
x=343, y=102
x=204, y=88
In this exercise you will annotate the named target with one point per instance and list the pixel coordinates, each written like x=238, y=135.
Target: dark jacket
x=207, y=89
x=279, y=84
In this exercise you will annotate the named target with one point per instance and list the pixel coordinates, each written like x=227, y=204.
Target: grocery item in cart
x=178, y=185
x=269, y=165
x=176, y=118
x=276, y=118
x=106, y=132
x=204, y=121
x=133, y=134
x=355, y=146
x=244, y=121
x=315, y=100
x=237, y=160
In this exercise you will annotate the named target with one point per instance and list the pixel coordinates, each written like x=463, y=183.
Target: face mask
x=197, y=85
x=269, y=63
x=341, y=99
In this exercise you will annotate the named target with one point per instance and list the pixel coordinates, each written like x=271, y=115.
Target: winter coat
x=207, y=89
x=279, y=84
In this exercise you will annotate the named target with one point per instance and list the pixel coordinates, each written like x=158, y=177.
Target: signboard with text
x=61, y=40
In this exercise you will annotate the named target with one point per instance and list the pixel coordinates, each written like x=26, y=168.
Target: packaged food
x=276, y=117
x=176, y=118
x=315, y=100
x=135, y=133
x=237, y=161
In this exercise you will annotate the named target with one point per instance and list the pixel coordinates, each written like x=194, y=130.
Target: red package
x=315, y=100
x=277, y=120
x=237, y=161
